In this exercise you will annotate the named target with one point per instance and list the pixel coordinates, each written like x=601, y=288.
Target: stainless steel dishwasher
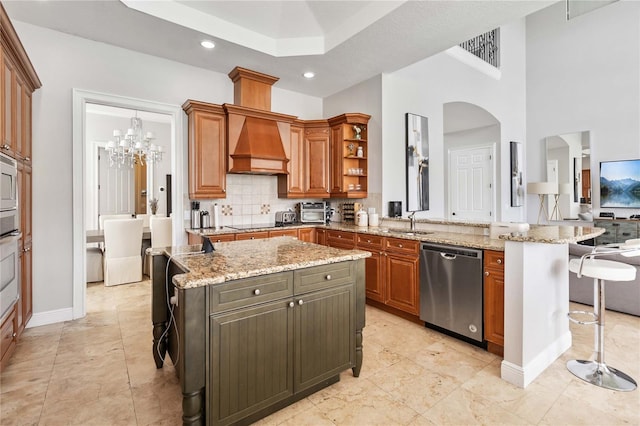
x=451, y=290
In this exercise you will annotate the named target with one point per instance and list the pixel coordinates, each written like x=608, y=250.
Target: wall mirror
x=417, y=162
x=569, y=165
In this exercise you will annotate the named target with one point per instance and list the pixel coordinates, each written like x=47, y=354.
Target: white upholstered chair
x=145, y=219
x=122, y=260
x=160, y=231
x=105, y=217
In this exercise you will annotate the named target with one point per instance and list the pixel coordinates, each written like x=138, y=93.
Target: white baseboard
x=50, y=317
x=523, y=376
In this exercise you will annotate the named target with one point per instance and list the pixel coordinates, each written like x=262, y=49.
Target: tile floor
x=99, y=370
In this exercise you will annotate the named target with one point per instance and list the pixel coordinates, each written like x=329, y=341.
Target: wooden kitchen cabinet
x=291, y=232
x=402, y=285
x=316, y=149
x=251, y=235
x=197, y=239
x=374, y=265
x=309, y=161
x=494, y=301
x=307, y=235
x=341, y=239
x=8, y=337
x=348, y=178
x=292, y=185
x=18, y=80
x=297, y=331
x=321, y=236
x=207, y=150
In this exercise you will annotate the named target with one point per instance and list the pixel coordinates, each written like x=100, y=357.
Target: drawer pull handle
x=368, y=241
x=256, y=291
x=499, y=261
x=291, y=304
x=328, y=277
x=400, y=245
x=5, y=146
x=486, y=273
x=339, y=236
x=300, y=302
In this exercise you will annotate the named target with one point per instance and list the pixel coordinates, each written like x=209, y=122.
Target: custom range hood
x=258, y=139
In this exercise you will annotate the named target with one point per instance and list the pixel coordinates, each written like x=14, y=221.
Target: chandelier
x=135, y=146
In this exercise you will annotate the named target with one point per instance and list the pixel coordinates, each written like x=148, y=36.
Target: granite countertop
x=242, y=259
x=554, y=234
x=451, y=232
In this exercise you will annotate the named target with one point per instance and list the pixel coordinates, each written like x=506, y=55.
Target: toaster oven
x=311, y=212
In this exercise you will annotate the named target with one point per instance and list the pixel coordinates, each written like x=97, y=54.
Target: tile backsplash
x=253, y=200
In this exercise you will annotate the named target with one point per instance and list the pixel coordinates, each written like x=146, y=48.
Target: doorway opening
x=88, y=140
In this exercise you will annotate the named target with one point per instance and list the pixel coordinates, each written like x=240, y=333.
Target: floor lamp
x=563, y=188
x=541, y=189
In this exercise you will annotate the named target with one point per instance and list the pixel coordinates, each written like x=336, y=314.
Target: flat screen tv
x=620, y=184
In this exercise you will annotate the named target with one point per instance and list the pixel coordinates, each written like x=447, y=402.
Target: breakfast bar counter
x=256, y=325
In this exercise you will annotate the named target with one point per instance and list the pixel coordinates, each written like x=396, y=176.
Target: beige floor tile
x=462, y=407
x=100, y=370
x=116, y=409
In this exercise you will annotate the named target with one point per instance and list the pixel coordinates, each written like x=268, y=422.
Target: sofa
x=621, y=296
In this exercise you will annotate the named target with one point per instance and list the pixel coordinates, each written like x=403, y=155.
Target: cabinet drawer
x=250, y=291
x=252, y=235
x=626, y=231
x=284, y=233
x=7, y=338
x=493, y=259
x=399, y=245
x=374, y=242
x=325, y=276
x=341, y=239
x=222, y=237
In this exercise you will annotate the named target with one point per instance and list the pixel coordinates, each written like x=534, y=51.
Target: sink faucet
x=412, y=218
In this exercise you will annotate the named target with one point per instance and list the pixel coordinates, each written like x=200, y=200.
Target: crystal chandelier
x=133, y=146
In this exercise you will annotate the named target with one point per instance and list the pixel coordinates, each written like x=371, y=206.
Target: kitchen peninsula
x=534, y=285
x=256, y=325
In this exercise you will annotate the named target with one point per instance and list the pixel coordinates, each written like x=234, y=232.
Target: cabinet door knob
x=499, y=261
x=368, y=241
x=291, y=304
x=486, y=273
x=5, y=146
x=256, y=291
x=328, y=277
x=300, y=302
x=27, y=159
x=400, y=245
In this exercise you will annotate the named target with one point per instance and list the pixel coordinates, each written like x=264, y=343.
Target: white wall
x=424, y=87
x=64, y=62
x=366, y=98
x=583, y=74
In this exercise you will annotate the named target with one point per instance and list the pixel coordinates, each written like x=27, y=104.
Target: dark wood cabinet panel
x=325, y=332
x=251, y=363
x=375, y=275
x=307, y=235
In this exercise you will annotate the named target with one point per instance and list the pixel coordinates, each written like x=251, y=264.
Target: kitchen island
x=256, y=325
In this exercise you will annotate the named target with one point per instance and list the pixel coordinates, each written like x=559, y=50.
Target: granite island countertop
x=242, y=259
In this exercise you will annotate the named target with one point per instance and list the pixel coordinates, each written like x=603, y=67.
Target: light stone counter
x=441, y=231
x=242, y=259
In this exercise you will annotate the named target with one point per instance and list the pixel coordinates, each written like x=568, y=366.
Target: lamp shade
x=564, y=188
x=542, y=188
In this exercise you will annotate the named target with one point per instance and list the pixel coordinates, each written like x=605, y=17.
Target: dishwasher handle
x=448, y=256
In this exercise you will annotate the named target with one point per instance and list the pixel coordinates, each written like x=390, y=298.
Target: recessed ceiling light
x=207, y=44
x=309, y=74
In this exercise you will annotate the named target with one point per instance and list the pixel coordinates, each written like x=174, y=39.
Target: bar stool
x=597, y=372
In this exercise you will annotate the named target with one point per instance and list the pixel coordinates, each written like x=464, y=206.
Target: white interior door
x=115, y=187
x=471, y=186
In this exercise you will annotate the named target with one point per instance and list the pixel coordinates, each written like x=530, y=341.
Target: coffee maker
x=196, y=222
x=395, y=209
